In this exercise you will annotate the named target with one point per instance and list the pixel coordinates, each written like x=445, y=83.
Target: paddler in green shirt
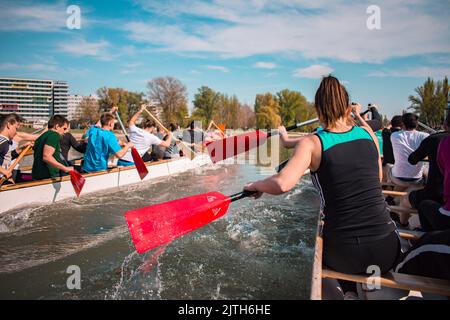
x=47, y=153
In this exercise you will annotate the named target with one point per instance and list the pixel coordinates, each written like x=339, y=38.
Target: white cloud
x=315, y=71
x=32, y=17
x=219, y=68
x=265, y=65
x=32, y=67
x=81, y=47
x=323, y=29
x=49, y=70
x=419, y=72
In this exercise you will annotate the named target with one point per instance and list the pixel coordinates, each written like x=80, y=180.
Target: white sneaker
x=351, y=295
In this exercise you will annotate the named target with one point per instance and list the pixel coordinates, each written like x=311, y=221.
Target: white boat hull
x=50, y=192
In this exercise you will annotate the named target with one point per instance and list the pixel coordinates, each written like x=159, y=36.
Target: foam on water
x=29, y=256
x=258, y=250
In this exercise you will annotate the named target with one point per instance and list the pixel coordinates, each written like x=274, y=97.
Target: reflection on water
x=260, y=250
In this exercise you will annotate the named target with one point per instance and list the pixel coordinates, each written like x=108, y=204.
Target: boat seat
x=396, y=280
x=410, y=234
x=394, y=193
x=400, y=209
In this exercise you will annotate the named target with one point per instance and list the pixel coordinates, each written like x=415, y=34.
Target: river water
x=261, y=249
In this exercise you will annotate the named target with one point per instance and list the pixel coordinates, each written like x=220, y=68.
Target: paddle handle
x=157, y=121
x=296, y=126
x=362, y=114
x=241, y=195
x=186, y=149
x=122, y=126
x=160, y=124
x=14, y=164
x=305, y=123
x=302, y=124
x=427, y=127
x=217, y=127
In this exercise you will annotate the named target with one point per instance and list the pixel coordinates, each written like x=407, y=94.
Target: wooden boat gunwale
x=50, y=191
x=85, y=175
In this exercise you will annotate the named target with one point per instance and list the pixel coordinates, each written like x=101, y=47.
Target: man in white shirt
x=143, y=138
x=405, y=176
x=404, y=142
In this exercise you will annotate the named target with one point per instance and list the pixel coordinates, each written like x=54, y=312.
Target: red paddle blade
x=139, y=163
x=77, y=181
x=232, y=146
x=155, y=225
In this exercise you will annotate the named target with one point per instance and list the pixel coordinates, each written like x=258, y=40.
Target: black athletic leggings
x=353, y=255
x=430, y=217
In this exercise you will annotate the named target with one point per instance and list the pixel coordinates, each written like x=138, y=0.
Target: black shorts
x=431, y=219
x=355, y=255
x=416, y=197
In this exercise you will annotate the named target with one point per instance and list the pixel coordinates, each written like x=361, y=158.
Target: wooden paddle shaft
x=217, y=127
x=186, y=149
x=427, y=127
x=157, y=121
x=14, y=164
x=301, y=124
x=122, y=126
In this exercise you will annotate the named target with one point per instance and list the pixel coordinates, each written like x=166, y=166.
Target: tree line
x=171, y=96
x=430, y=101
x=269, y=110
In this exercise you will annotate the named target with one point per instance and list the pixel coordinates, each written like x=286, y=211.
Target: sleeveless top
x=349, y=186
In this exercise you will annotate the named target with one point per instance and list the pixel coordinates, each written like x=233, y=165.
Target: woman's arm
x=287, y=142
x=287, y=178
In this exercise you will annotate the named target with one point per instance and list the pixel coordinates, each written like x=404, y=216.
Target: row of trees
x=269, y=111
x=169, y=93
x=221, y=108
x=430, y=101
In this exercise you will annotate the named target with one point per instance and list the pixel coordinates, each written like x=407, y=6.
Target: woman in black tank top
x=345, y=167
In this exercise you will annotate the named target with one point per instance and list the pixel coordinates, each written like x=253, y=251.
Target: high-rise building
x=32, y=98
x=73, y=106
x=74, y=111
x=60, y=96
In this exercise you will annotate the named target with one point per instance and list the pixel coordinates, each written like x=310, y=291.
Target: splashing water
x=259, y=250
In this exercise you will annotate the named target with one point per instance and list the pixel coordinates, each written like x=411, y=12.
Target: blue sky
x=235, y=47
